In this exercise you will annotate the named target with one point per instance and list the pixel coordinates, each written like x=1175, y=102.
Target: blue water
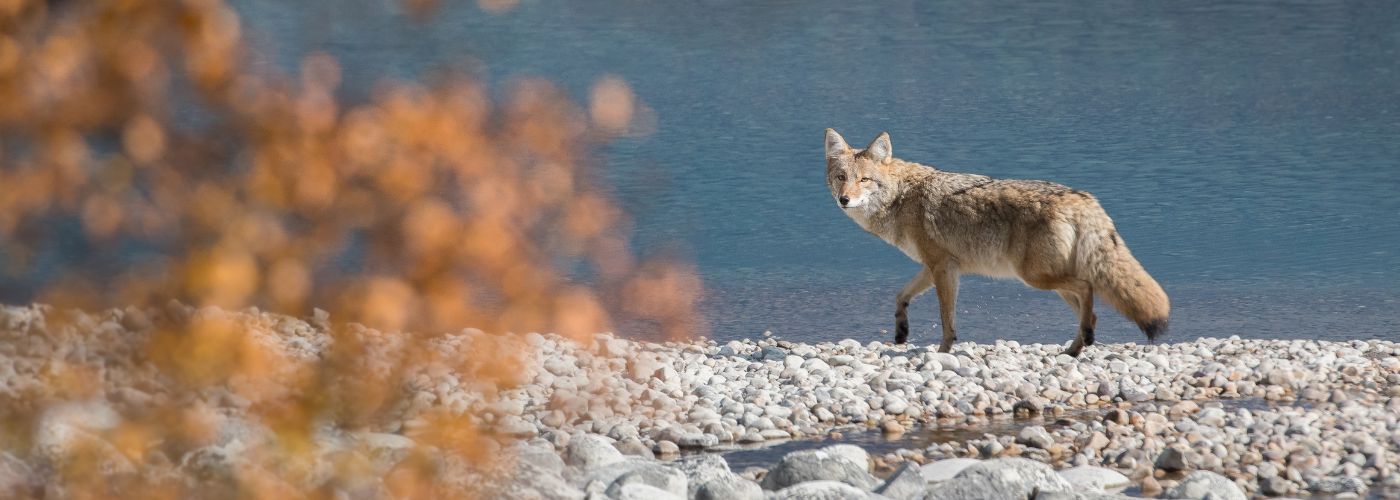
x=1249, y=151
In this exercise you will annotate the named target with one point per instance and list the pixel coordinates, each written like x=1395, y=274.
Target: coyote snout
x=1047, y=235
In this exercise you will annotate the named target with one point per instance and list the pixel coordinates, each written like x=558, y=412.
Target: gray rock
x=639, y=491
x=1204, y=485
x=729, y=487
x=1171, y=460
x=814, y=465
x=1081, y=495
x=1273, y=486
x=853, y=453
x=1000, y=478
x=589, y=451
x=1099, y=478
x=701, y=469
x=665, y=478
x=821, y=490
x=634, y=447
x=946, y=361
x=1335, y=485
x=945, y=469
x=606, y=474
x=1035, y=436
x=534, y=481
x=666, y=448
x=540, y=456
x=697, y=440
x=905, y=484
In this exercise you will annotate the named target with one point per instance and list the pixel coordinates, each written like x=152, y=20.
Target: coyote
x=1049, y=236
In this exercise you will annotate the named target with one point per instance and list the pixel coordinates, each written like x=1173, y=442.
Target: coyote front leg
x=916, y=286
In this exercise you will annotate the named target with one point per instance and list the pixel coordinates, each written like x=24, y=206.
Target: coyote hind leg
x=1081, y=299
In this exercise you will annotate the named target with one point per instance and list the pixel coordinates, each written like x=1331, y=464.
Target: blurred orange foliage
x=428, y=208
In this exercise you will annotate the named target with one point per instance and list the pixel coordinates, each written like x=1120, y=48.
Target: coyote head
x=858, y=178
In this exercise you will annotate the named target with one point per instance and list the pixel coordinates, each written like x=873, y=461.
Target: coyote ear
x=879, y=149
x=835, y=144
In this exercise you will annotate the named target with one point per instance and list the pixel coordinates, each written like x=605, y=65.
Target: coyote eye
x=865, y=179
x=841, y=177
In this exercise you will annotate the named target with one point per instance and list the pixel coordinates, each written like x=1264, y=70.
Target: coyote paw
x=901, y=332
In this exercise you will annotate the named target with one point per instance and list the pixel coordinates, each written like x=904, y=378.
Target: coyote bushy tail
x=1120, y=279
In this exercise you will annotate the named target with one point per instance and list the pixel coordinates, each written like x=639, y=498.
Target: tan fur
x=1047, y=235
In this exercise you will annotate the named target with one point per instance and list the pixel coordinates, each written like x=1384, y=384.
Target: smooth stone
x=945, y=469
x=814, y=465
x=589, y=451
x=1335, y=485
x=1000, y=478
x=821, y=490
x=731, y=487
x=907, y=483
x=666, y=448
x=1171, y=460
x=701, y=469
x=1203, y=485
x=604, y=475
x=852, y=453
x=1101, y=478
x=659, y=476
x=1035, y=436
x=946, y=361
x=640, y=491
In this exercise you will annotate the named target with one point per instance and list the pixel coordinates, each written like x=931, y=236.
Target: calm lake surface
x=1248, y=151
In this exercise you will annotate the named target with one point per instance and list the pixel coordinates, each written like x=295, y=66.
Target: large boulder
x=590, y=451
x=948, y=468
x=729, y=487
x=905, y=484
x=701, y=469
x=639, y=491
x=822, y=490
x=659, y=476
x=1206, y=485
x=531, y=480
x=1097, y=478
x=853, y=453
x=606, y=474
x=1000, y=478
x=815, y=465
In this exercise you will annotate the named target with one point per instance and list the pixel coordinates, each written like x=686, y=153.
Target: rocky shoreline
x=592, y=414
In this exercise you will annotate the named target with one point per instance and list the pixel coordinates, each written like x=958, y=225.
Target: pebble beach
x=608, y=417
